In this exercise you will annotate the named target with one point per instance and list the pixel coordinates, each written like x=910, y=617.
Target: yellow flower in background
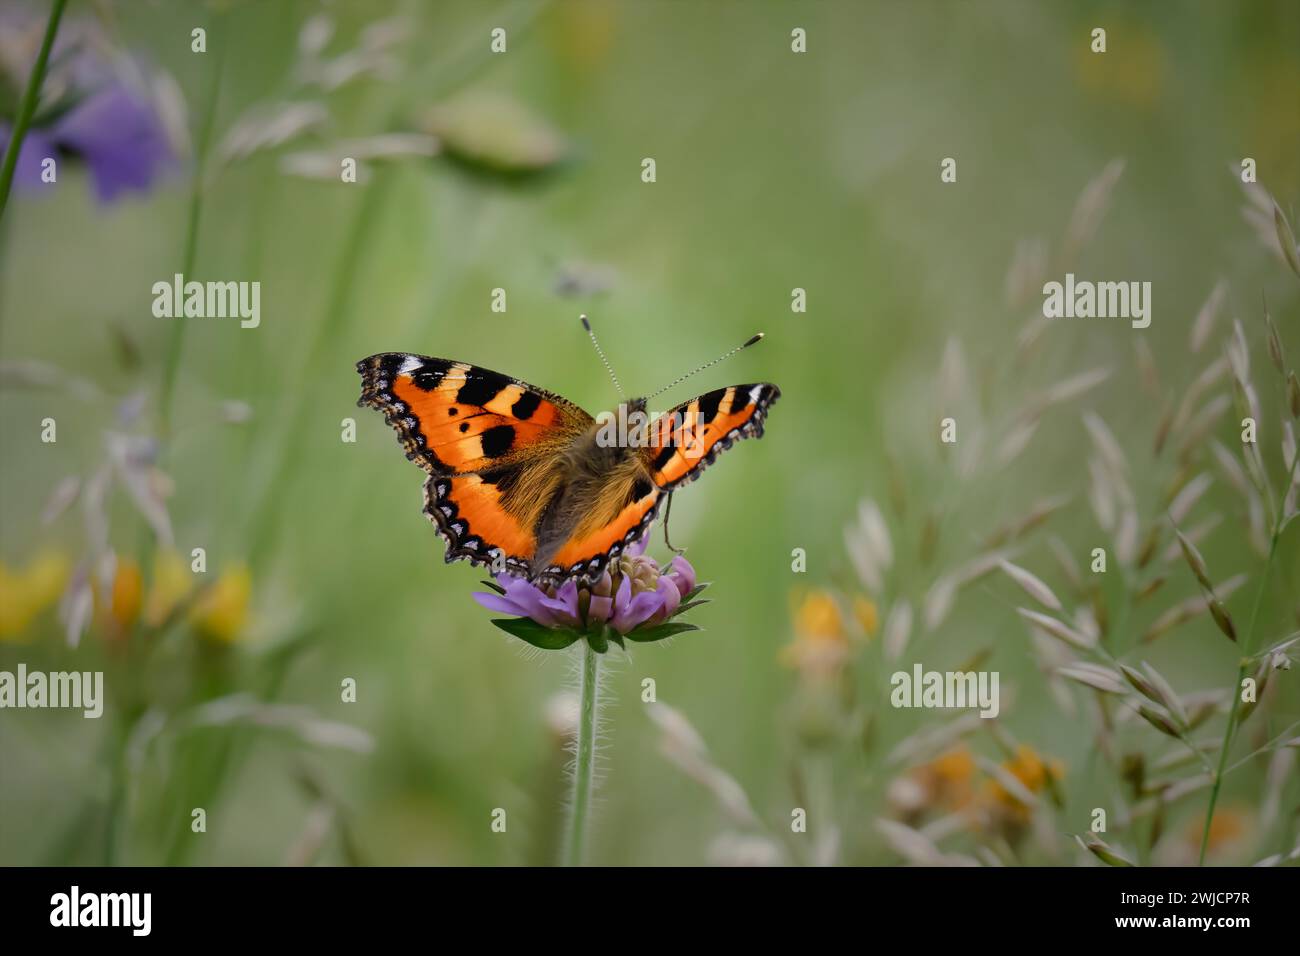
x=221, y=613
x=866, y=614
x=172, y=582
x=25, y=594
x=820, y=644
x=818, y=618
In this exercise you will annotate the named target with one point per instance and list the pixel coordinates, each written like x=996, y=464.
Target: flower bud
x=643, y=572
x=672, y=598
x=682, y=574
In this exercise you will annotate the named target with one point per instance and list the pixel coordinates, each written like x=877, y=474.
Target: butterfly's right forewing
x=456, y=418
x=689, y=438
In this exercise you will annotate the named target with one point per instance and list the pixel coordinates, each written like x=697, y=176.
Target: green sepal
x=683, y=608
x=661, y=631
x=530, y=632
x=694, y=592
x=598, y=641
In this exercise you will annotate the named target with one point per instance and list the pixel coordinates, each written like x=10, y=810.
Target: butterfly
x=528, y=483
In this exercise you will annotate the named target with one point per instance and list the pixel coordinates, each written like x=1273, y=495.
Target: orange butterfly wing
x=490, y=443
x=626, y=509
x=457, y=418
x=682, y=444
x=689, y=438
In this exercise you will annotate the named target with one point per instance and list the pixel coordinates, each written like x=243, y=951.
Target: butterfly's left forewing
x=493, y=447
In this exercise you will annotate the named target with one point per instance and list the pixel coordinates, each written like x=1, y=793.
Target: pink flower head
x=634, y=598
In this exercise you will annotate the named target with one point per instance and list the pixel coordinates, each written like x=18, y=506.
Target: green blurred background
x=775, y=170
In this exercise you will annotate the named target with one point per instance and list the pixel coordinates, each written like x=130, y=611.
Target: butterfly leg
x=668, y=510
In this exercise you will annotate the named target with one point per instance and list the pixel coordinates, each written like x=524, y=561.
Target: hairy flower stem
x=584, y=757
x=27, y=108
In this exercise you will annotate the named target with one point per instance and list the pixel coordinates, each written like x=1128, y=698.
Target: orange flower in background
x=126, y=596
x=1036, y=773
x=25, y=593
x=1226, y=829
x=952, y=774
x=131, y=600
x=118, y=600
x=221, y=613
x=1032, y=770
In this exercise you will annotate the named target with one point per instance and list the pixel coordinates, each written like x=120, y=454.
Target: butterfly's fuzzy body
x=519, y=478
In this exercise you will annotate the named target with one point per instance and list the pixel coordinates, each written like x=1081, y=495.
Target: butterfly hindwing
x=684, y=441
x=476, y=527
x=616, y=516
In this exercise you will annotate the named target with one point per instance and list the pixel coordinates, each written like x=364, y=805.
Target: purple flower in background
x=634, y=598
x=89, y=112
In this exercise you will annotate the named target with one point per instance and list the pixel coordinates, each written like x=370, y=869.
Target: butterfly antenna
x=601, y=352
x=757, y=337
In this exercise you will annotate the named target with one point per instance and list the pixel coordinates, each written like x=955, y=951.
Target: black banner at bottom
x=336, y=905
